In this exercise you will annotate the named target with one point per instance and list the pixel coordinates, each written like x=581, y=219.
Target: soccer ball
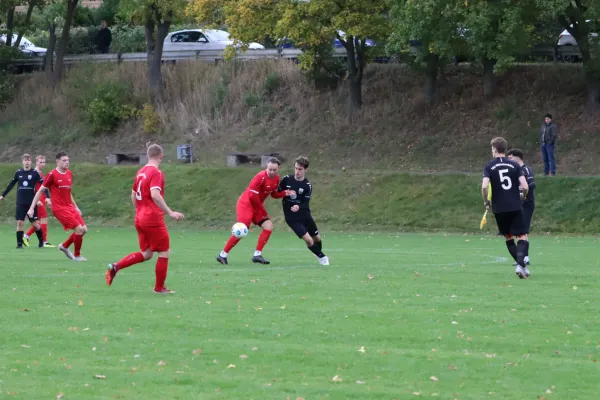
x=239, y=230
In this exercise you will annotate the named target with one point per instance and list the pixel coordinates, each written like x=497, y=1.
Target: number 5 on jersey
x=505, y=180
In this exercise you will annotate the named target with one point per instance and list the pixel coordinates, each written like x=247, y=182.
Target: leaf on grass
x=574, y=287
x=254, y=348
x=208, y=302
x=370, y=276
x=490, y=355
x=26, y=310
x=548, y=391
x=196, y=352
x=59, y=396
x=569, y=332
x=454, y=323
x=416, y=393
x=26, y=346
x=80, y=302
x=299, y=398
x=243, y=356
x=72, y=328
x=361, y=382
x=452, y=367
x=258, y=308
x=336, y=379
x=362, y=349
x=434, y=378
x=161, y=362
x=86, y=329
x=253, y=280
x=93, y=349
x=231, y=366
x=100, y=376
x=416, y=273
x=282, y=307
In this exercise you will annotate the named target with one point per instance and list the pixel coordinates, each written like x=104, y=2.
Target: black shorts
x=303, y=225
x=528, y=209
x=510, y=223
x=21, y=213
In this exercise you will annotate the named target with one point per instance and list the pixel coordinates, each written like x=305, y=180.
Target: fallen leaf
x=208, y=302
x=434, y=378
x=362, y=349
x=100, y=376
x=452, y=367
x=336, y=379
x=548, y=391
x=93, y=349
x=370, y=276
x=196, y=352
x=569, y=332
x=490, y=355
x=268, y=384
x=162, y=362
x=574, y=287
x=243, y=356
x=26, y=310
x=80, y=303
x=59, y=396
x=73, y=328
x=454, y=323
x=282, y=307
x=416, y=273
x=231, y=366
x=416, y=393
x=25, y=345
x=253, y=280
x=299, y=398
x=361, y=382
x=258, y=308
x=254, y=348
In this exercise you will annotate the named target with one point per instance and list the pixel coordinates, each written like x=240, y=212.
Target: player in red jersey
x=147, y=196
x=250, y=209
x=40, y=164
x=60, y=181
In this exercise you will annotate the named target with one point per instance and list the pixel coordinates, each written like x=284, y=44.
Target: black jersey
x=528, y=173
x=303, y=191
x=504, y=175
x=26, y=181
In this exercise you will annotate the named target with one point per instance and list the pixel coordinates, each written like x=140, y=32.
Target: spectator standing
x=548, y=135
x=104, y=38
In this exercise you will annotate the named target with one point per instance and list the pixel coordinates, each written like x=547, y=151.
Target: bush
x=107, y=104
x=128, y=39
x=151, y=119
x=7, y=89
x=272, y=83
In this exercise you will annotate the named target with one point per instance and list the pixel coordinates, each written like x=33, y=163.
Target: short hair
x=40, y=157
x=548, y=116
x=515, y=153
x=154, y=151
x=302, y=161
x=61, y=155
x=274, y=160
x=499, y=144
x=26, y=157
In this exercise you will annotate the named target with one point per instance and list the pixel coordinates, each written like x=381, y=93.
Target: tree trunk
x=489, y=79
x=49, y=62
x=10, y=25
x=64, y=40
x=431, y=73
x=30, y=8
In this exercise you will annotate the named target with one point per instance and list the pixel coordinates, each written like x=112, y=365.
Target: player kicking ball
x=59, y=182
x=27, y=179
x=40, y=164
x=506, y=176
x=147, y=196
x=296, y=209
x=250, y=209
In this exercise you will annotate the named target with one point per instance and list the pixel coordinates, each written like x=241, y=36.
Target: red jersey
x=59, y=184
x=38, y=185
x=261, y=186
x=147, y=213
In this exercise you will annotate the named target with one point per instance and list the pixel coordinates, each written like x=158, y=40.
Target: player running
x=60, y=182
x=147, y=196
x=529, y=202
x=40, y=164
x=250, y=209
x=506, y=176
x=297, y=211
x=26, y=178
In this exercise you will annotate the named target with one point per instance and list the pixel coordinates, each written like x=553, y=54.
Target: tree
x=52, y=16
x=308, y=23
x=580, y=18
x=157, y=17
x=71, y=6
x=429, y=29
x=8, y=7
x=31, y=4
x=495, y=31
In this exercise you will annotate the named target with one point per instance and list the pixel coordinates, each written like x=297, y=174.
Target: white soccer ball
x=239, y=230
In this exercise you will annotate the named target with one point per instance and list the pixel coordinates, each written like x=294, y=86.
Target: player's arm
x=133, y=198
x=485, y=187
x=530, y=180
x=75, y=204
x=36, y=199
x=524, y=185
x=10, y=186
x=160, y=202
x=281, y=191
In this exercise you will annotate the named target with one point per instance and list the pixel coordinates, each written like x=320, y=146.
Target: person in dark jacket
x=548, y=135
x=104, y=38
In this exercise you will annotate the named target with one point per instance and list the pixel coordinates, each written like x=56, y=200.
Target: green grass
x=421, y=306
x=342, y=200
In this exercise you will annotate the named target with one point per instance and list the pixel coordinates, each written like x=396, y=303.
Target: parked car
x=201, y=39
x=566, y=39
x=26, y=46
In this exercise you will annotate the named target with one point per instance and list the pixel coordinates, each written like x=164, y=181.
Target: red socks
x=78, y=240
x=67, y=243
x=231, y=243
x=128, y=261
x=162, y=264
x=45, y=232
x=30, y=231
x=263, y=239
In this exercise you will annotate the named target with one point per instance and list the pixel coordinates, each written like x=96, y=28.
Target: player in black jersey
x=26, y=178
x=296, y=209
x=529, y=202
x=507, y=181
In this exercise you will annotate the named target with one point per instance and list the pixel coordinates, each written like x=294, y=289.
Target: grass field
x=392, y=317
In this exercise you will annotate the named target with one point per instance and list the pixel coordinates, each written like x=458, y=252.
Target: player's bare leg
x=125, y=262
x=80, y=231
x=162, y=265
x=263, y=238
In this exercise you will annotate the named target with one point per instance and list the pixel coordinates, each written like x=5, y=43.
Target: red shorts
x=42, y=213
x=155, y=238
x=246, y=214
x=68, y=217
